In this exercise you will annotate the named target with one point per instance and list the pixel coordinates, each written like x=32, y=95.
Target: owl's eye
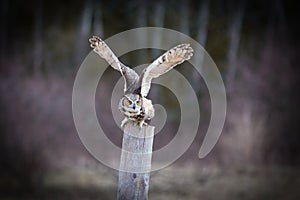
x=138, y=102
x=128, y=102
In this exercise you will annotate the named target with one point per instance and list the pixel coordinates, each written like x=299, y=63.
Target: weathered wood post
x=135, y=163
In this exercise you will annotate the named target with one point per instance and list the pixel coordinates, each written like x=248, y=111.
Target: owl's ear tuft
x=137, y=91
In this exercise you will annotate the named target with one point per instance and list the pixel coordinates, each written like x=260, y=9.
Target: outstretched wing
x=163, y=64
x=101, y=48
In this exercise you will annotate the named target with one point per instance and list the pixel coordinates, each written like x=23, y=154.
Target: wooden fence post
x=135, y=164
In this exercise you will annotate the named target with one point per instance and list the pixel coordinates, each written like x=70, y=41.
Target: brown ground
x=172, y=183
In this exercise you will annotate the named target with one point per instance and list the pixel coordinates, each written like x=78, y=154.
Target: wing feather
x=163, y=64
x=103, y=50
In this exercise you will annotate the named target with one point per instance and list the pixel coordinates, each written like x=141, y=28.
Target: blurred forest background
x=255, y=45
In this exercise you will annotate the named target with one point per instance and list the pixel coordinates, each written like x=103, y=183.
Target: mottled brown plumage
x=134, y=105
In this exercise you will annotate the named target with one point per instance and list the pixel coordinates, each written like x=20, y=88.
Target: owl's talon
x=123, y=123
x=143, y=123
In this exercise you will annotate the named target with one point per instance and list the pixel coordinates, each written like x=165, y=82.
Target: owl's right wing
x=163, y=64
x=103, y=50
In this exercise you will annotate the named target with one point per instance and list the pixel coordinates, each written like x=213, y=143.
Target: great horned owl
x=134, y=105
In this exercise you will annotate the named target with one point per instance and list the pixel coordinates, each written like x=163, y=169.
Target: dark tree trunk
x=141, y=22
x=4, y=19
x=38, y=41
x=202, y=25
x=83, y=32
x=158, y=20
x=184, y=18
x=234, y=33
x=98, y=21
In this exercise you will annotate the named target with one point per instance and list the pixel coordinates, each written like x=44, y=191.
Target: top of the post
x=133, y=129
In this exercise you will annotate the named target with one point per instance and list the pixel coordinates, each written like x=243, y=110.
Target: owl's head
x=133, y=101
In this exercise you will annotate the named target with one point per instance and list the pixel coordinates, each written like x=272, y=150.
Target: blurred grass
x=173, y=183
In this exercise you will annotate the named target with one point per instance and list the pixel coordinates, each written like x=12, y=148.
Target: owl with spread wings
x=134, y=105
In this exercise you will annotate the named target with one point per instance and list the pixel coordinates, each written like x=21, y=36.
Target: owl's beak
x=133, y=106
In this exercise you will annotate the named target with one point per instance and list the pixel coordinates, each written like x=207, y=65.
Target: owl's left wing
x=163, y=64
x=103, y=50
